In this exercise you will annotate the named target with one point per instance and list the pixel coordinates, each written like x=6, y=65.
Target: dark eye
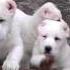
x=44, y=36
x=58, y=20
x=2, y=20
x=56, y=38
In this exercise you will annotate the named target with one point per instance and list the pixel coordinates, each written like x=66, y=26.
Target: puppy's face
x=52, y=37
x=7, y=10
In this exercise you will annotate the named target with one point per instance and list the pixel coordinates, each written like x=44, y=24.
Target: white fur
x=18, y=31
x=60, y=48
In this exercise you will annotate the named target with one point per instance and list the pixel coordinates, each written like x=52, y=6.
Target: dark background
x=29, y=6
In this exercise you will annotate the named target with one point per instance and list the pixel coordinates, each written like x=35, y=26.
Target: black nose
x=48, y=49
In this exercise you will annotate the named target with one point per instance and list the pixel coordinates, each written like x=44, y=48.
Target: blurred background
x=29, y=6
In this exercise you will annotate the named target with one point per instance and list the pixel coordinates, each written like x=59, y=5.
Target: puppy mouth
x=49, y=58
x=48, y=53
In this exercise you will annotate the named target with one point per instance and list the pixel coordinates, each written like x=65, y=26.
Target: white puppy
x=18, y=31
x=52, y=39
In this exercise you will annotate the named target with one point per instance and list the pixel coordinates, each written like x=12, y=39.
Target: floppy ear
x=11, y=6
x=67, y=30
x=49, y=11
x=65, y=27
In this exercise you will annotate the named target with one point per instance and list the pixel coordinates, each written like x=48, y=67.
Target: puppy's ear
x=11, y=6
x=49, y=11
x=66, y=28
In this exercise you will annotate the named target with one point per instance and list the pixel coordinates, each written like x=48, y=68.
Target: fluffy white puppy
x=52, y=40
x=18, y=31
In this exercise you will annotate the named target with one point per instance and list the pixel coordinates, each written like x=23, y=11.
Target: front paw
x=36, y=60
x=10, y=65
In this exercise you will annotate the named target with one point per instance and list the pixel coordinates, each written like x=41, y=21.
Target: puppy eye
x=44, y=36
x=2, y=20
x=58, y=20
x=56, y=38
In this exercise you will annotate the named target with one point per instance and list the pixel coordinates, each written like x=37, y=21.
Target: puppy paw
x=10, y=65
x=36, y=60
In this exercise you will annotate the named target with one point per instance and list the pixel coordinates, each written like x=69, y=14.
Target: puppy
x=52, y=40
x=18, y=31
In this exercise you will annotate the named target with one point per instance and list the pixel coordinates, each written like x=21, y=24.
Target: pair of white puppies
x=52, y=40
x=18, y=31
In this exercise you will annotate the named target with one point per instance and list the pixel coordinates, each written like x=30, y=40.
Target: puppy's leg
x=14, y=57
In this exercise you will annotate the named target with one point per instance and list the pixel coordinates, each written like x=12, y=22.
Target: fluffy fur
x=18, y=31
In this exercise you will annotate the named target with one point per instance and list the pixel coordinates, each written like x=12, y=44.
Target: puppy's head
x=7, y=10
x=49, y=11
x=52, y=37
